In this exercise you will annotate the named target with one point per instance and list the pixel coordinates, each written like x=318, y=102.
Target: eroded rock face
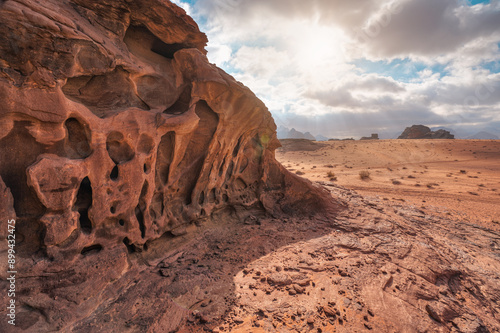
x=424, y=132
x=116, y=131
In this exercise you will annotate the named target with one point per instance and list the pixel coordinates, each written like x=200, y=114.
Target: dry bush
x=330, y=174
x=396, y=182
x=300, y=173
x=364, y=174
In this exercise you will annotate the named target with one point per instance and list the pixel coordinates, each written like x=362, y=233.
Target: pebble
x=279, y=279
x=329, y=311
x=298, y=289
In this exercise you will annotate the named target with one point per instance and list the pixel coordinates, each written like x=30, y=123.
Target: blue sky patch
x=400, y=70
x=475, y=2
x=492, y=66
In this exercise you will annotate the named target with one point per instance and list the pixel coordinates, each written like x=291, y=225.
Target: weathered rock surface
x=116, y=132
x=424, y=132
x=115, y=125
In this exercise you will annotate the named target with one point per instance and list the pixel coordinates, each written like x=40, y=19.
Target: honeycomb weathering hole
x=83, y=204
x=114, y=173
x=96, y=248
x=140, y=36
x=182, y=103
x=77, y=140
x=165, y=155
x=118, y=149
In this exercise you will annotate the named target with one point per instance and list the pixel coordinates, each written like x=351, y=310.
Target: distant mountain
x=309, y=136
x=285, y=133
x=484, y=136
x=320, y=137
x=492, y=130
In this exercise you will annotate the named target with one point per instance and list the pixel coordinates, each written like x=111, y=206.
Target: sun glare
x=316, y=45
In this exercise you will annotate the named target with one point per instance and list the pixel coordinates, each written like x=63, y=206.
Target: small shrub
x=330, y=174
x=463, y=171
x=396, y=182
x=364, y=175
x=300, y=173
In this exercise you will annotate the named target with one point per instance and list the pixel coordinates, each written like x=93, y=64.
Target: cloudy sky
x=345, y=68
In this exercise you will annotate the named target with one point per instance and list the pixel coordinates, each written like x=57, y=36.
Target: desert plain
x=451, y=177
x=415, y=247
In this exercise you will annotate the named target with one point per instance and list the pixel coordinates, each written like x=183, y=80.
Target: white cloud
x=219, y=54
x=298, y=57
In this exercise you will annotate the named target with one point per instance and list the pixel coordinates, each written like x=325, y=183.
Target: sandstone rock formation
x=116, y=131
x=116, y=127
x=424, y=132
x=374, y=136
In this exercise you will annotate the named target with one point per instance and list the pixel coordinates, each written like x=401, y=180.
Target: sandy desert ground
x=415, y=249
x=450, y=177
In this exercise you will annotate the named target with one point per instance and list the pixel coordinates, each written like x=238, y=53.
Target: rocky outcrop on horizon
x=374, y=136
x=424, y=132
